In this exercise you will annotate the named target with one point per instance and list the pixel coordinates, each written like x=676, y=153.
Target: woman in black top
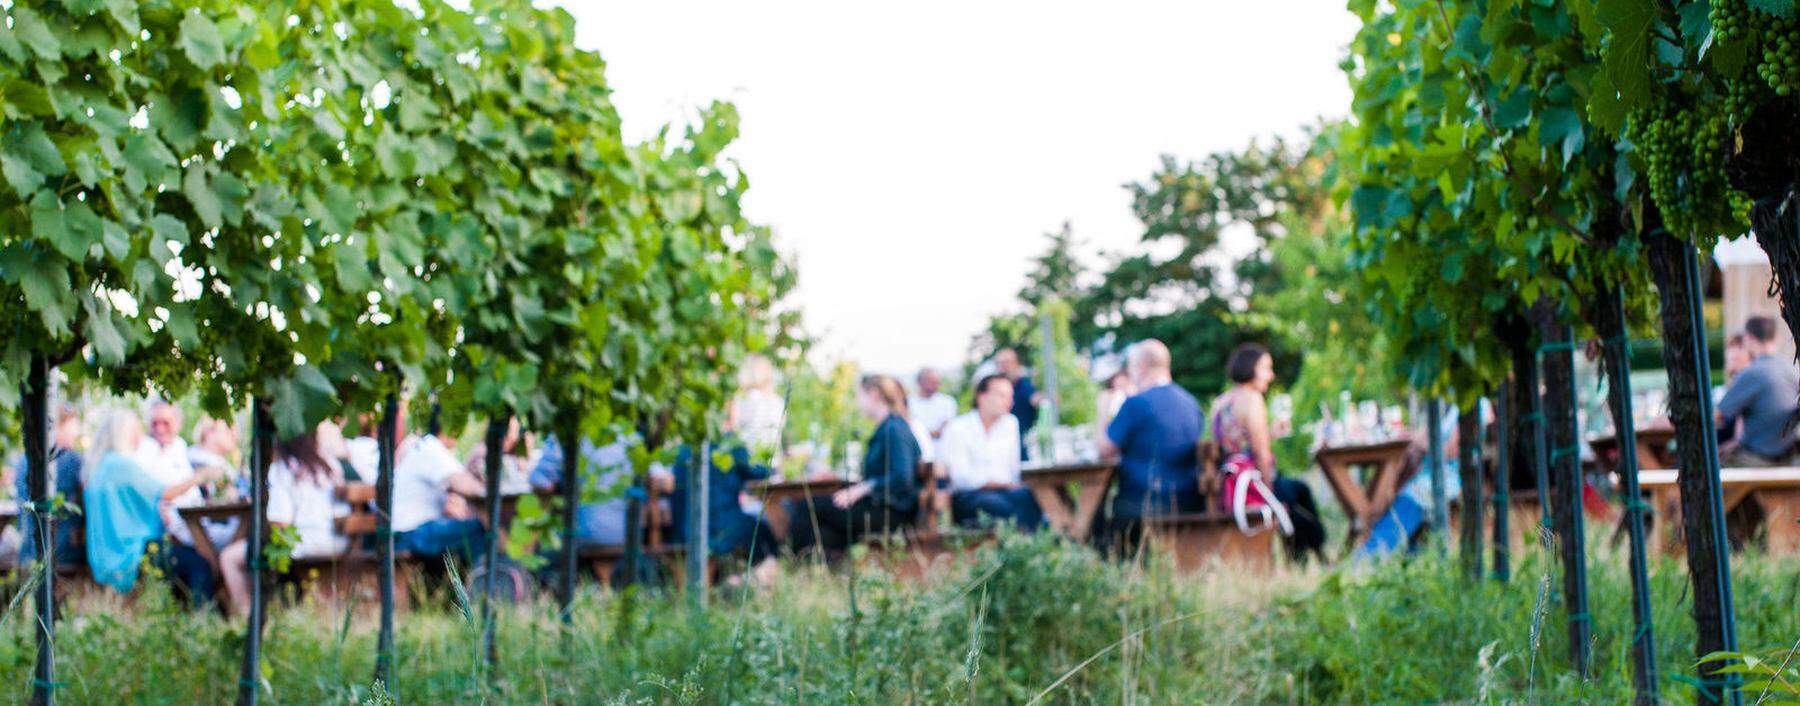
x=888, y=496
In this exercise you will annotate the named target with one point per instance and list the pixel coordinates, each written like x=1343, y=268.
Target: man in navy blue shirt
x=65, y=479
x=1025, y=395
x=1153, y=438
x=1762, y=396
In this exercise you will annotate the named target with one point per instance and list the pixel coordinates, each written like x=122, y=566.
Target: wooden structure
x=1653, y=448
x=1364, y=500
x=1775, y=490
x=1069, y=494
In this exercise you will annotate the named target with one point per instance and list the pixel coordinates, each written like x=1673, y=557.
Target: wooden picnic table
x=1072, y=514
x=1777, y=490
x=1364, y=501
x=775, y=494
x=1653, y=450
x=194, y=516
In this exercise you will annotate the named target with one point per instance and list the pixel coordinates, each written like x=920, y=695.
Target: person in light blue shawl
x=121, y=502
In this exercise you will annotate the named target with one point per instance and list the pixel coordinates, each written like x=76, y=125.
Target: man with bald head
x=1153, y=438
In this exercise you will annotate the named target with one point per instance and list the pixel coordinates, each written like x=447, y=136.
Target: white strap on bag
x=1272, y=509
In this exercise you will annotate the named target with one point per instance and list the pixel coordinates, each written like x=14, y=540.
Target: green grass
x=1005, y=628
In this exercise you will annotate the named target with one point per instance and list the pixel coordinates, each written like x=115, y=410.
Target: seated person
x=1153, y=438
x=888, y=496
x=1761, y=396
x=515, y=450
x=730, y=530
x=1401, y=525
x=980, y=452
x=1241, y=428
x=430, y=515
x=123, y=506
x=65, y=480
x=303, y=485
x=608, y=470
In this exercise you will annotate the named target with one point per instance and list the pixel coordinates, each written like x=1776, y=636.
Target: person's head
x=1759, y=335
x=1737, y=357
x=68, y=427
x=1120, y=381
x=165, y=422
x=1007, y=360
x=217, y=436
x=301, y=453
x=1148, y=363
x=929, y=382
x=882, y=396
x=120, y=432
x=757, y=373
x=993, y=397
x=1252, y=366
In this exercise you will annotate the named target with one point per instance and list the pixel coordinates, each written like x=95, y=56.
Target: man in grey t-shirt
x=1764, y=397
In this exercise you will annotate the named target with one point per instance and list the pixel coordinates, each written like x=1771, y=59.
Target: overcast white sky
x=913, y=154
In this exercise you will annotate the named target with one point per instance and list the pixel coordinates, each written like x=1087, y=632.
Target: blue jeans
x=467, y=538
x=972, y=508
x=187, y=570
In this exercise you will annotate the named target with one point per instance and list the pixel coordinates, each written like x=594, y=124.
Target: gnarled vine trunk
x=1468, y=465
x=1558, y=359
x=1674, y=268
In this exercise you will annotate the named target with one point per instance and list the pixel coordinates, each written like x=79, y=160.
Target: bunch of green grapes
x=1778, y=64
x=1727, y=17
x=1684, y=150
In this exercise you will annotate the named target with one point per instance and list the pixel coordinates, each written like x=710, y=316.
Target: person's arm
x=1739, y=395
x=465, y=483
x=173, y=491
x=1118, y=432
x=1253, y=413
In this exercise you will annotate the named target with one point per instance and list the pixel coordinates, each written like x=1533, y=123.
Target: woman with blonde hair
x=888, y=495
x=122, y=504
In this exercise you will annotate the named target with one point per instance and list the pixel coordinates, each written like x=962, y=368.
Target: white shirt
x=927, y=447
x=933, y=412
x=309, y=506
x=169, y=465
x=419, y=482
x=759, y=415
x=365, y=457
x=975, y=455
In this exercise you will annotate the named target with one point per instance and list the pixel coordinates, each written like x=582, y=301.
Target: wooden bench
x=1775, y=490
x=1199, y=540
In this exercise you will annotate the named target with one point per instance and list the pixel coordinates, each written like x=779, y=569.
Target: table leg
x=1087, y=506
x=203, y=542
x=1054, y=506
x=774, y=512
x=1386, y=487
x=1781, y=507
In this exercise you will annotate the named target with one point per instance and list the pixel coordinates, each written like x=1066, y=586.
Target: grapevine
x=1684, y=149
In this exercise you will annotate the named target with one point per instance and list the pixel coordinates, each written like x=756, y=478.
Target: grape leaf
x=200, y=41
x=1627, y=59
x=205, y=202
x=302, y=398
x=1779, y=8
x=101, y=331
x=35, y=34
x=20, y=176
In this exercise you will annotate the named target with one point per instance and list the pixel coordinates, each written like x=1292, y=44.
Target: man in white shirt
x=980, y=452
x=423, y=479
x=164, y=455
x=931, y=408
